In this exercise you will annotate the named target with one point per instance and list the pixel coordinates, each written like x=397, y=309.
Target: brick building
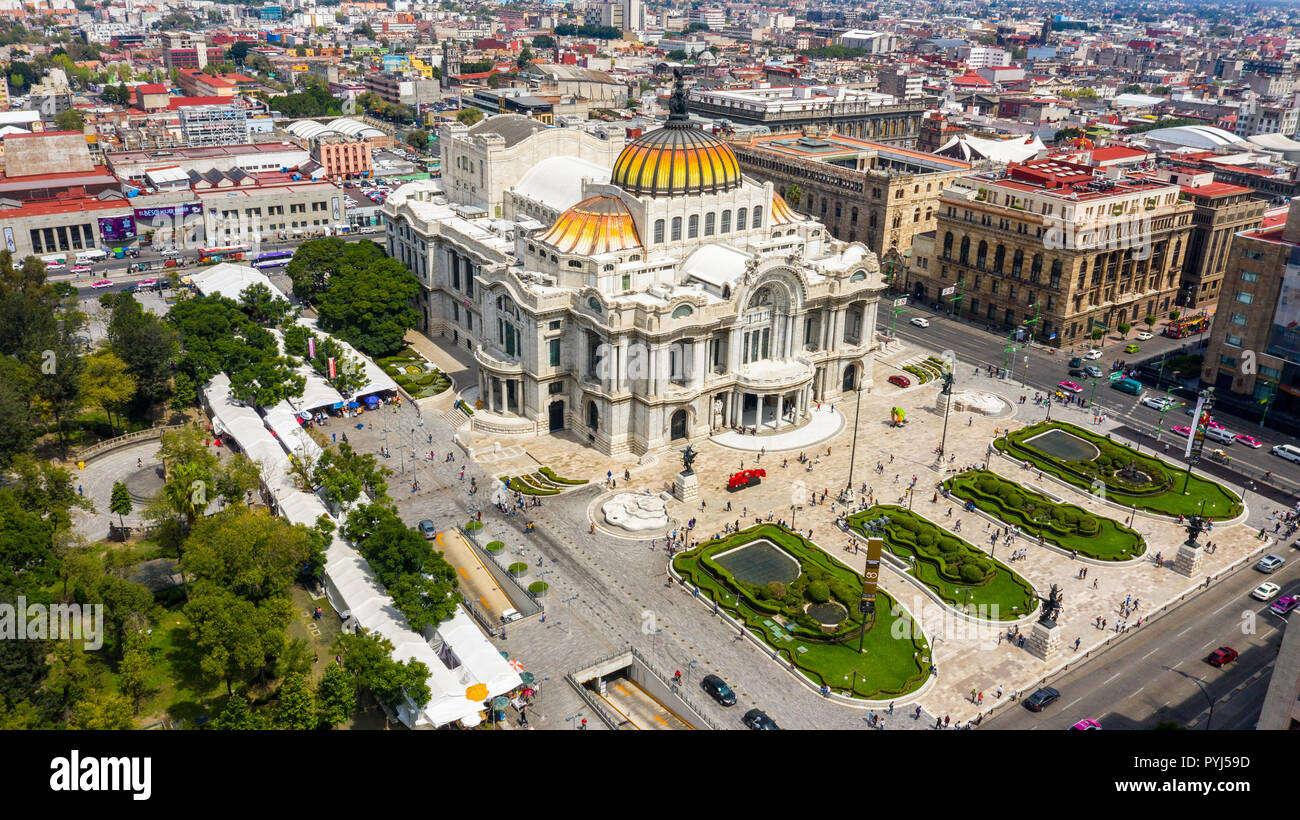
x=341, y=157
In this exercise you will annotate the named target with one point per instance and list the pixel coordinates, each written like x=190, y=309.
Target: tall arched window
x=740, y=219
x=981, y=254
x=964, y=256
x=677, y=228
x=1055, y=280
x=758, y=216
x=726, y=222
x=999, y=256
x=1017, y=263
x=693, y=226
x=710, y=222
x=947, y=244
x=659, y=230
x=1036, y=268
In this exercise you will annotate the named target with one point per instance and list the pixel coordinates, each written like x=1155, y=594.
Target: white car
x=1144, y=335
x=1265, y=591
x=169, y=253
x=1157, y=402
x=1092, y=354
x=919, y=322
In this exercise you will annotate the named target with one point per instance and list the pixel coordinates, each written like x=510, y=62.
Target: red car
x=1222, y=656
x=745, y=478
x=900, y=381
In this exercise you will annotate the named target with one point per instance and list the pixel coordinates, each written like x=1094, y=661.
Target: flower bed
x=955, y=570
x=895, y=656
x=1063, y=525
x=549, y=473
x=1159, y=490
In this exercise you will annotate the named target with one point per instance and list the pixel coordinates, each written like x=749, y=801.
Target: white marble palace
x=666, y=299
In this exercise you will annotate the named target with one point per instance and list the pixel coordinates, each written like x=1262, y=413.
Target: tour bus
x=92, y=255
x=272, y=259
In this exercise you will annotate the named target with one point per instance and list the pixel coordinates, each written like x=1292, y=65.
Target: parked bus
x=1189, y=326
x=272, y=259
x=92, y=255
x=226, y=253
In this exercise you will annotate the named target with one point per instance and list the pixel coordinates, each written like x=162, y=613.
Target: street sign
x=900, y=302
x=1116, y=376
x=949, y=291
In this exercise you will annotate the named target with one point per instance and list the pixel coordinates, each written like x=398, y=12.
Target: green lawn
x=890, y=664
x=941, y=558
x=1161, y=493
x=1064, y=525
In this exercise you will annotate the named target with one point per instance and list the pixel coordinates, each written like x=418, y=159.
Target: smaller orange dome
x=782, y=213
x=600, y=224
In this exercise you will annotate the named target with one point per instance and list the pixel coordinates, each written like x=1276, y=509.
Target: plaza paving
x=607, y=593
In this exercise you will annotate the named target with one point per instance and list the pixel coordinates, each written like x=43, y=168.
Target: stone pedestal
x=1188, y=561
x=1044, y=641
x=686, y=487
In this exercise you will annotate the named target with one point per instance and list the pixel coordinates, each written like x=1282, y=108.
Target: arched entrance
x=593, y=417
x=677, y=426
x=557, y=415
x=919, y=290
x=850, y=381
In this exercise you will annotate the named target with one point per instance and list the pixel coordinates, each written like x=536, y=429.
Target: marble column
x=780, y=410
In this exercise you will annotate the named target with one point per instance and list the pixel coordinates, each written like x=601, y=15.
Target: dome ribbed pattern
x=601, y=224
x=675, y=160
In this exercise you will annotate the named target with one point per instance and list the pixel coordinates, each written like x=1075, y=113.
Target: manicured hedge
x=538, y=588
x=949, y=565
x=1163, y=494
x=495, y=546
x=520, y=485
x=1064, y=525
x=518, y=568
x=549, y=473
x=894, y=658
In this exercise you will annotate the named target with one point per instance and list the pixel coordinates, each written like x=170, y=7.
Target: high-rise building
x=1253, y=357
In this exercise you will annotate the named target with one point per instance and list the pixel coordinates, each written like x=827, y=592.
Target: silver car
x=1270, y=563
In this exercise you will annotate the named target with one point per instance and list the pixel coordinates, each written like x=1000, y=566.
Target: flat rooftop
x=834, y=147
x=202, y=153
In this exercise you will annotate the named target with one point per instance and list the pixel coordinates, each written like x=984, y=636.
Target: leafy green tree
x=372, y=311
x=120, y=503
x=1097, y=333
x=544, y=41
x=524, y=59
x=134, y=671
x=1123, y=328
x=1150, y=322
x=26, y=547
x=217, y=336
x=297, y=709
x=1174, y=314
x=336, y=696
x=251, y=553
x=105, y=383
x=102, y=710
x=369, y=659
x=238, y=715
x=148, y=345
x=70, y=120
x=237, y=52
x=469, y=116
x=793, y=194
x=126, y=604
x=262, y=306
x=418, y=139
x=423, y=585
x=236, y=638
x=47, y=490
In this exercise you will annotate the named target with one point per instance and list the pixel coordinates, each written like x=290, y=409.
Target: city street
x=1045, y=370
x=1156, y=674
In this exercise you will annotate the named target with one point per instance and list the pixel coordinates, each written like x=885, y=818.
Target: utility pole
x=1267, y=402
x=853, y=452
x=897, y=309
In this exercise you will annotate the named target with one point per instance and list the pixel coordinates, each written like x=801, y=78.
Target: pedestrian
x=999, y=691
x=917, y=716
x=945, y=721
x=1076, y=643
x=980, y=701
x=891, y=707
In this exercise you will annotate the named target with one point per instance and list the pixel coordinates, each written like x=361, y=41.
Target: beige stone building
x=880, y=195
x=1053, y=250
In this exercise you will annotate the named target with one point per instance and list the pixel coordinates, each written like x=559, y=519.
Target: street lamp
x=853, y=452
x=568, y=611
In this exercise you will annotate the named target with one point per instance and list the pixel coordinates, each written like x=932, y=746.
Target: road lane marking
x=1220, y=609
x=1152, y=652
x=1111, y=678
x=1185, y=631
x=1071, y=703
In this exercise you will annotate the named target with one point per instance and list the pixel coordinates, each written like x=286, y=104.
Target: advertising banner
x=871, y=576
x=169, y=211
x=117, y=228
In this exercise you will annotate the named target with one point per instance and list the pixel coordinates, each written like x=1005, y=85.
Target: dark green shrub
x=972, y=574
x=775, y=589
x=819, y=592
x=1087, y=526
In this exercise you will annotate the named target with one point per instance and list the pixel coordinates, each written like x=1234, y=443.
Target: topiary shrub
x=925, y=539
x=949, y=545
x=819, y=592
x=1088, y=526
x=971, y=574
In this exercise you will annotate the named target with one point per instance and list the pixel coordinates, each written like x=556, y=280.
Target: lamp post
x=1268, y=402
x=853, y=451
x=568, y=611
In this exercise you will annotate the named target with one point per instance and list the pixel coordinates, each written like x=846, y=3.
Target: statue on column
x=688, y=458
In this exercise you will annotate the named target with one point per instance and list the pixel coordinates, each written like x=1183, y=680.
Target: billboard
x=169, y=211
x=117, y=228
x=1196, y=437
x=871, y=576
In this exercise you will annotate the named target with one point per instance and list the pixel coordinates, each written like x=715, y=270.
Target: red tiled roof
x=152, y=88
x=182, y=102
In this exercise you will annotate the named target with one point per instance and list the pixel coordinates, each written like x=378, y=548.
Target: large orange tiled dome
x=675, y=160
x=600, y=224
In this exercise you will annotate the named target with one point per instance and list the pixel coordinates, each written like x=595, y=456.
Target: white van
x=93, y=255
x=1290, y=452
x=1220, y=435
